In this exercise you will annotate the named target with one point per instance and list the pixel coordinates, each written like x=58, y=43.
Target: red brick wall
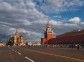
x=46, y=38
x=43, y=40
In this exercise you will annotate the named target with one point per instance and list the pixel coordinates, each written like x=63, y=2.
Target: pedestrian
x=78, y=46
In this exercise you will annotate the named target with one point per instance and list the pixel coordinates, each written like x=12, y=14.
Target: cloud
x=52, y=22
x=30, y=35
x=57, y=6
x=19, y=14
x=74, y=20
x=30, y=21
x=56, y=23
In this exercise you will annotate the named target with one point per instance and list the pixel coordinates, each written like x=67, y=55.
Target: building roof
x=72, y=33
x=76, y=36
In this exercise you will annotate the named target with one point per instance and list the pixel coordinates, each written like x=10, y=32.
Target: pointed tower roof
x=17, y=32
x=48, y=27
x=48, y=24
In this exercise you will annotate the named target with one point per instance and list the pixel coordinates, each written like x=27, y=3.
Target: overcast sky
x=31, y=16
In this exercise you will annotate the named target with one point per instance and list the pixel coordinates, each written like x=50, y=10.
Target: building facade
x=2, y=44
x=73, y=37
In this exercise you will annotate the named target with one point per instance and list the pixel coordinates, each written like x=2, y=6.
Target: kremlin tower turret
x=47, y=34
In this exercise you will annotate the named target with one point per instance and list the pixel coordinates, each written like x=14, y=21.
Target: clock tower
x=47, y=34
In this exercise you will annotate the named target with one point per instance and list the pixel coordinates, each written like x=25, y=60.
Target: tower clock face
x=49, y=30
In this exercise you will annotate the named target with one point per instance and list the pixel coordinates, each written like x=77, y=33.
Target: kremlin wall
x=74, y=37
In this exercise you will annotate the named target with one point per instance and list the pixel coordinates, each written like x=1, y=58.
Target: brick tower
x=47, y=34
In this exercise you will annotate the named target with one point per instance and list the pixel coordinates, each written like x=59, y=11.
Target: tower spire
x=48, y=27
x=48, y=34
x=48, y=24
x=17, y=32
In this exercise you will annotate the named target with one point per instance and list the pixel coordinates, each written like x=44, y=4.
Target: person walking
x=78, y=46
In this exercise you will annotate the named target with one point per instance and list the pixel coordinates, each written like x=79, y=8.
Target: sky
x=30, y=17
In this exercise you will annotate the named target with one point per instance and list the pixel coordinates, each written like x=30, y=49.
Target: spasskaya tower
x=47, y=34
